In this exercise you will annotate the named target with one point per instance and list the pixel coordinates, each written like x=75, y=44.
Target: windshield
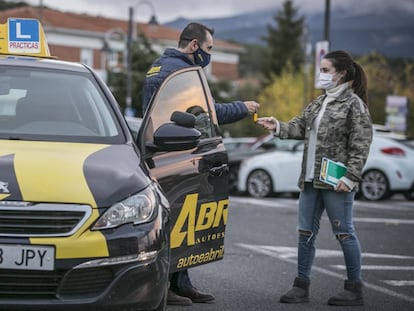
x=54, y=105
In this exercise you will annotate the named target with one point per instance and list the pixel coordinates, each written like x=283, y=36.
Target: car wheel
x=375, y=186
x=259, y=184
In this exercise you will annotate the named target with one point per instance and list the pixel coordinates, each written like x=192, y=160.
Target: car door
x=195, y=181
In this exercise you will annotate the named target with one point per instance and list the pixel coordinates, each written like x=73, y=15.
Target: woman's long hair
x=343, y=61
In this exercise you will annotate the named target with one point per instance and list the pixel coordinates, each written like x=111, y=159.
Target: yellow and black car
x=90, y=216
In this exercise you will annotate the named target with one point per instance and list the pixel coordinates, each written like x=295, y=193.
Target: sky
x=169, y=10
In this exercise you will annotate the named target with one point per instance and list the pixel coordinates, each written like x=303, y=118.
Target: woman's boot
x=299, y=292
x=351, y=296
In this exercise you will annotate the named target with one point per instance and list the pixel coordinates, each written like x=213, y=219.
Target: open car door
x=193, y=170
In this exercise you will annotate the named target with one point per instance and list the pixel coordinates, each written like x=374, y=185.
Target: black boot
x=351, y=296
x=299, y=292
x=195, y=295
x=176, y=300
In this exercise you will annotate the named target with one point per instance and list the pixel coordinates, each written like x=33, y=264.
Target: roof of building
x=89, y=23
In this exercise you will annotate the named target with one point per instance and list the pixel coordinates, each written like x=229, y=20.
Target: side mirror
x=183, y=118
x=174, y=137
x=178, y=135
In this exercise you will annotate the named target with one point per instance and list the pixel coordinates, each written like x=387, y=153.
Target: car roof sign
x=23, y=36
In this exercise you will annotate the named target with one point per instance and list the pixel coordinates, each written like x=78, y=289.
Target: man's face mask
x=201, y=58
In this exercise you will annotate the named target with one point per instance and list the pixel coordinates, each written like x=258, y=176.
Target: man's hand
x=252, y=106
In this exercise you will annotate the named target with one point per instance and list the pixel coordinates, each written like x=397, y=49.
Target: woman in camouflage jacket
x=338, y=126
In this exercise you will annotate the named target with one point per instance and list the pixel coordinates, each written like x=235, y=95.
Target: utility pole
x=128, y=103
x=327, y=19
x=130, y=37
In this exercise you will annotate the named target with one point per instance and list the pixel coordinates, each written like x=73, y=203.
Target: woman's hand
x=342, y=187
x=268, y=123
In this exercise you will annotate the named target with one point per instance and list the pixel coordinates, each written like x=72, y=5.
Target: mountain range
x=390, y=32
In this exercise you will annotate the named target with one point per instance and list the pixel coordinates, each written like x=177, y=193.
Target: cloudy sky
x=168, y=10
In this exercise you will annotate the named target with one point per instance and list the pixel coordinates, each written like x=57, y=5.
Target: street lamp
x=128, y=104
x=113, y=35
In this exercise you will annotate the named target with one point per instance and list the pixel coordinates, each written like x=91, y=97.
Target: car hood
x=94, y=174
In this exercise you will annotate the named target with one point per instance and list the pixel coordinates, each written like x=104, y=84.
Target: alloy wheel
x=375, y=186
x=259, y=184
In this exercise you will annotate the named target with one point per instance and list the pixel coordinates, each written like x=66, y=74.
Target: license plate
x=27, y=257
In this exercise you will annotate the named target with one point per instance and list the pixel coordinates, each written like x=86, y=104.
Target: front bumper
x=135, y=274
x=138, y=284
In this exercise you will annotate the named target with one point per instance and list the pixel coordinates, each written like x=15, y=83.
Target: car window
x=54, y=105
x=183, y=92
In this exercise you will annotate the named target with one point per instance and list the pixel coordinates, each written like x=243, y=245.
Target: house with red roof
x=100, y=42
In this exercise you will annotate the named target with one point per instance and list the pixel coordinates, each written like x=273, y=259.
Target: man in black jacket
x=194, y=48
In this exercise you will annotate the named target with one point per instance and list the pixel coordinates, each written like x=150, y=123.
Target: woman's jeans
x=338, y=206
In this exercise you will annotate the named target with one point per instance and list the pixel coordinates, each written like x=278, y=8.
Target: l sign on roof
x=24, y=36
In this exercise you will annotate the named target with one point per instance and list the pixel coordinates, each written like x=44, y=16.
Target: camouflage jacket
x=344, y=134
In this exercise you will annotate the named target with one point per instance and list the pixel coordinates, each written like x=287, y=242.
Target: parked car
x=238, y=143
x=92, y=217
x=134, y=124
x=261, y=145
x=272, y=172
x=389, y=169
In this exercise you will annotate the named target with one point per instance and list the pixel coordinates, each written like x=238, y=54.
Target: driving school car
x=91, y=217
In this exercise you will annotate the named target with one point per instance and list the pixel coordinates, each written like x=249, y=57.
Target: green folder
x=331, y=171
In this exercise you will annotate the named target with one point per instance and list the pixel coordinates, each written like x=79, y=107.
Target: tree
x=388, y=77
x=142, y=57
x=5, y=5
x=283, y=98
x=284, y=43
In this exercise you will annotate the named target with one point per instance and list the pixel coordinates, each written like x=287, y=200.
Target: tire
x=375, y=186
x=259, y=184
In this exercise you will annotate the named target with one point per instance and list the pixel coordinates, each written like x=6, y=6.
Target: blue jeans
x=180, y=280
x=338, y=206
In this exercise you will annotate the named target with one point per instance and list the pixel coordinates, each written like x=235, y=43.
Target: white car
x=272, y=172
x=238, y=143
x=389, y=169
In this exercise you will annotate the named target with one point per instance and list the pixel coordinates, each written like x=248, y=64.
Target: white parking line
x=377, y=267
x=387, y=221
x=399, y=282
x=293, y=203
x=267, y=250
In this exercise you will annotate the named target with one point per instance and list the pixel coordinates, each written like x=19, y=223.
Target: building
x=100, y=42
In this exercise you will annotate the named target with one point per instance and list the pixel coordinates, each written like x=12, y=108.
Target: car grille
x=28, y=284
x=76, y=284
x=85, y=282
x=42, y=220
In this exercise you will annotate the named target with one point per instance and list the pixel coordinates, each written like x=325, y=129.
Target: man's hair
x=194, y=31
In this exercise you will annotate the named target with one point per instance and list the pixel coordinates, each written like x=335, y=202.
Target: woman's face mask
x=201, y=58
x=326, y=81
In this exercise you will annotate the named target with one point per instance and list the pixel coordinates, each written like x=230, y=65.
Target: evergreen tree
x=284, y=42
x=4, y=5
x=142, y=57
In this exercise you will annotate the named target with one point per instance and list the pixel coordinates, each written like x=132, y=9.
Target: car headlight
x=136, y=209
